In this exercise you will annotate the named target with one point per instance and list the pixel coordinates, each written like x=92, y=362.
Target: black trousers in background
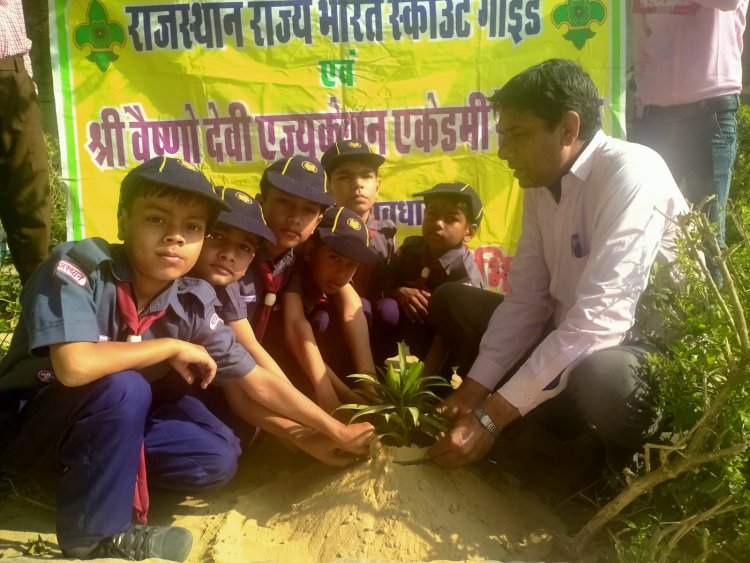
x=24, y=173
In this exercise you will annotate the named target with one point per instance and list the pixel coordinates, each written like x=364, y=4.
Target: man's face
x=292, y=219
x=355, y=185
x=162, y=238
x=330, y=270
x=536, y=153
x=445, y=225
x=226, y=255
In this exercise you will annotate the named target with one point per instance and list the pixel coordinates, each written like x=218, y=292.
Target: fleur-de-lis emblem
x=100, y=35
x=579, y=15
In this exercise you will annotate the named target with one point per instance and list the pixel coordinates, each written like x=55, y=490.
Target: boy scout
x=226, y=255
x=293, y=196
x=452, y=215
x=99, y=322
x=353, y=171
x=322, y=310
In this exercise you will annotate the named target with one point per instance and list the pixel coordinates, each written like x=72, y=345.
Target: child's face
x=226, y=255
x=445, y=225
x=355, y=185
x=292, y=219
x=330, y=270
x=162, y=239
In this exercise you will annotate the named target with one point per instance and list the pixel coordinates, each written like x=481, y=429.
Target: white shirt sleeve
x=630, y=216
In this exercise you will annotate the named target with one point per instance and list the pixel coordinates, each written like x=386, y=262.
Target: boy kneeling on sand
x=99, y=323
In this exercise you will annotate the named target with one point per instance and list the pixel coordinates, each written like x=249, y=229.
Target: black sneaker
x=141, y=542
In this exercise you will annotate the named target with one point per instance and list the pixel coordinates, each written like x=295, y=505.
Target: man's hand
x=191, y=360
x=413, y=302
x=466, y=442
x=469, y=395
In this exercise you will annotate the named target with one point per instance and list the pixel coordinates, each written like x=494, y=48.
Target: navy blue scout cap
x=352, y=149
x=173, y=173
x=458, y=189
x=245, y=213
x=343, y=231
x=299, y=176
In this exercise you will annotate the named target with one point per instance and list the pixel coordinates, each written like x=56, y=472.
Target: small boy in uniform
x=226, y=255
x=100, y=322
x=452, y=215
x=353, y=172
x=293, y=195
x=324, y=323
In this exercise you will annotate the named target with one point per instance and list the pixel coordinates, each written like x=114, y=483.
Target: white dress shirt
x=583, y=262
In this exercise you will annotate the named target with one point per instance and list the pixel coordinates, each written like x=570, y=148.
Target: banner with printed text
x=234, y=85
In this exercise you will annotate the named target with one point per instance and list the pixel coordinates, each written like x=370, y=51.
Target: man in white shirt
x=597, y=212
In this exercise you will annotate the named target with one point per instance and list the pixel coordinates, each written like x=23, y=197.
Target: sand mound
x=384, y=510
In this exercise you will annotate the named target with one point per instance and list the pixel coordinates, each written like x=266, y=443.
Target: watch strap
x=485, y=420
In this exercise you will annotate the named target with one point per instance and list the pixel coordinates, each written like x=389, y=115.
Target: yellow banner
x=233, y=86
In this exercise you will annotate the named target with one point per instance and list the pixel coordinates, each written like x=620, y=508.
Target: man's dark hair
x=549, y=90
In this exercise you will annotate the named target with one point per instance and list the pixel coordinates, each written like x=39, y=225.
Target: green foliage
x=704, y=395
x=740, y=191
x=403, y=408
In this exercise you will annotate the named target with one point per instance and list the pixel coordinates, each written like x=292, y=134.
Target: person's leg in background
x=24, y=173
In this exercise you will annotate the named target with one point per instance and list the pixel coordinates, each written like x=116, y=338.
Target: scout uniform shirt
x=72, y=298
x=231, y=306
x=251, y=285
x=369, y=279
x=456, y=265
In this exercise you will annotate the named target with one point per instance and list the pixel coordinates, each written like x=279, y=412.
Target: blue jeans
x=699, y=150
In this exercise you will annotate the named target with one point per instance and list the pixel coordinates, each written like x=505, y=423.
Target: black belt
x=12, y=63
x=727, y=102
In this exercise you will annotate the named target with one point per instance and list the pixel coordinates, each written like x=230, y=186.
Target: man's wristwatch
x=485, y=420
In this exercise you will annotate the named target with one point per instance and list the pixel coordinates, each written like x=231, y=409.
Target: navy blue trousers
x=91, y=437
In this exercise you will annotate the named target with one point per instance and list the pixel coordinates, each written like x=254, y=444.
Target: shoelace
x=133, y=544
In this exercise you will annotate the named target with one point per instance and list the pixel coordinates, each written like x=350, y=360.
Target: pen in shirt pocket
x=576, y=248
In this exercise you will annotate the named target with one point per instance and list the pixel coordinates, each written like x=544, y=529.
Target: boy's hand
x=191, y=360
x=356, y=438
x=413, y=302
x=324, y=449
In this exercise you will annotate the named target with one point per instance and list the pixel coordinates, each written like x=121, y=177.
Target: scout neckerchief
x=430, y=267
x=272, y=285
x=136, y=325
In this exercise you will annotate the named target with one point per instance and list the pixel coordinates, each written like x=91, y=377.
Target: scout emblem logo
x=100, y=34
x=354, y=144
x=72, y=271
x=45, y=376
x=578, y=15
x=214, y=322
x=243, y=197
x=354, y=224
x=309, y=166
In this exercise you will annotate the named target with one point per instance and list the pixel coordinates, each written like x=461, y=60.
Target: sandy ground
x=285, y=507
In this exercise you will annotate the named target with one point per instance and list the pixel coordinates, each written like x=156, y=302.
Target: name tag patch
x=72, y=271
x=249, y=298
x=214, y=322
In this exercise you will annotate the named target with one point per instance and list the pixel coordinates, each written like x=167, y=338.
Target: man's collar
x=581, y=166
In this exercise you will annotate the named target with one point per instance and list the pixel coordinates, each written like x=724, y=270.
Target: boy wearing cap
x=227, y=253
x=293, y=195
x=317, y=305
x=353, y=172
x=452, y=215
x=99, y=323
